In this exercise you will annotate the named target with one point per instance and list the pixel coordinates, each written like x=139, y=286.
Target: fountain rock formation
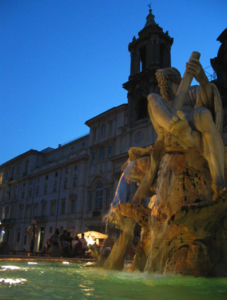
x=184, y=225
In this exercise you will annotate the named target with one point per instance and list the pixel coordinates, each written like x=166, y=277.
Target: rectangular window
x=73, y=206
x=55, y=186
x=111, y=126
x=93, y=157
x=20, y=212
x=43, y=210
x=45, y=189
x=103, y=129
x=50, y=229
x=110, y=150
x=15, y=193
x=37, y=191
x=52, y=208
x=12, y=212
x=18, y=236
x=35, y=210
x=102, y=154
x=7, y=213
x=28, y=210
x=94, y=133
x=56, y=174
x=25, y=239
x=65, y=184
x=46, y=178
x=63, y=207
x=75, y=181
x=90, y=202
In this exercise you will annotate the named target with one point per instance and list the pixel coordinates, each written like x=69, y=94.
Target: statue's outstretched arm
x=195, y=68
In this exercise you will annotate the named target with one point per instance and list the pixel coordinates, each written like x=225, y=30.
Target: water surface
x=55, y=280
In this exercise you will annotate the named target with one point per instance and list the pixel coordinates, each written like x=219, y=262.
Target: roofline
x=31, y=151
x=107, y=111
x=71, y=142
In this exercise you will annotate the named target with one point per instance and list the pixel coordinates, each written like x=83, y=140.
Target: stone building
x=72, y=186
x=219, y=64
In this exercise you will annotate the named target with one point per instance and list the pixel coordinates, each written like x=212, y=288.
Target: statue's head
x=165, y=77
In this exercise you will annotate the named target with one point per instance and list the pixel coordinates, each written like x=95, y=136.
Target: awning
x=94, y=235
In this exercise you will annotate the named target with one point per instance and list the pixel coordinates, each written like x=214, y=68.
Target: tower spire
x=150, y=17
x=149, y=5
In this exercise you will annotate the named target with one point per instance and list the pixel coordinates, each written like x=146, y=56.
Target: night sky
x=64, y=61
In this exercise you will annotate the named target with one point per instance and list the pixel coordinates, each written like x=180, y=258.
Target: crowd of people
x=67, y=245
x=63, y=244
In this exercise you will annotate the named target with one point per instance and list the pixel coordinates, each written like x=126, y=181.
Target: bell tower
x=149, y=52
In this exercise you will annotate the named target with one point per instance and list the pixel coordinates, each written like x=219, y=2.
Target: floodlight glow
x=90, y=240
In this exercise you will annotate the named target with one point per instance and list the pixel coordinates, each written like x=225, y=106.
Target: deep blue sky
x=64, y=61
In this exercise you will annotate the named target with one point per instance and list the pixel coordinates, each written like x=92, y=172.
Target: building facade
x=73, y=185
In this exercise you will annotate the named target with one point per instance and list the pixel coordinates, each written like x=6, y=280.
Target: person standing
x=84, y=244
x=32, y=235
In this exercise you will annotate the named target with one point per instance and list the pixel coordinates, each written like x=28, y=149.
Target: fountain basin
x=58, y=280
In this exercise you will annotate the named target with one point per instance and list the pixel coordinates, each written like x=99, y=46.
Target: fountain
x=184, y=222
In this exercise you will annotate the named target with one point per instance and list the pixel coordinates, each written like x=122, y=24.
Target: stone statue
x=188, y=117
x=182, y=229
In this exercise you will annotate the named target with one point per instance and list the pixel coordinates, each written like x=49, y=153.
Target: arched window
x=99, y=196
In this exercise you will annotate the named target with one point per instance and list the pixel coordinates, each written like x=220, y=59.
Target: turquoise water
x=55, y=280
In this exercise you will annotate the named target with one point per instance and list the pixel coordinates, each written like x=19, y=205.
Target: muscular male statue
x=199, y=106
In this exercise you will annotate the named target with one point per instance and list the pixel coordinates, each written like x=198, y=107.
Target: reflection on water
x=10, y=267
x=12, y=281
x=55, y=280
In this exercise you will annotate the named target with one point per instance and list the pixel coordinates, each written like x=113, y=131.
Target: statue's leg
x=213, y=148
x=155, y=156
